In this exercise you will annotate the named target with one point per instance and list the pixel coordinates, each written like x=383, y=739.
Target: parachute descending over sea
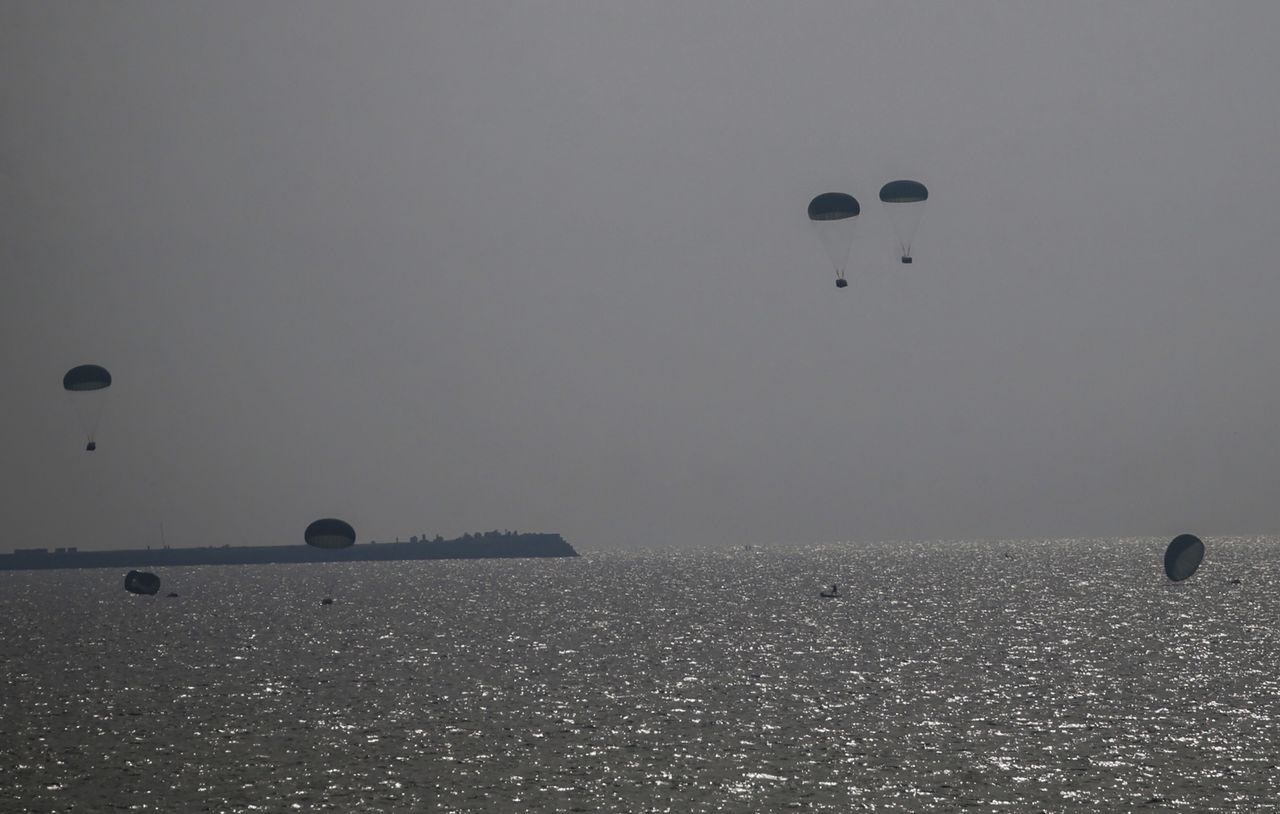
x=834, y=214
x=1183, y=556
x=904, y=201
x=330, y=533
x=87, y=386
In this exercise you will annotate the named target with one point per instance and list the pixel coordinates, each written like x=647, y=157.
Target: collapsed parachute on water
x=330, y=533
x=141, y=582
x=1183, y=556
x=834, y=215
x=904, y=201
x=87, y=385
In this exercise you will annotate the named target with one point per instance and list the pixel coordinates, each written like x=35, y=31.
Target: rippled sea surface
x=1027, y=676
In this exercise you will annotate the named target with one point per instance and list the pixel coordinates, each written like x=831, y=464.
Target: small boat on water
x=328, y=600
x=834, y=593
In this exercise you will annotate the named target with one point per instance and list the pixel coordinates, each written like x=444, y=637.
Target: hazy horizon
x=438, y=268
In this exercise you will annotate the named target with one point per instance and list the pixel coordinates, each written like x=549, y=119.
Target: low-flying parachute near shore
x=904, y=201
x=1183, y=556
x=87, y=385
x=141, y=582
x=834, y=215
x=330, y=533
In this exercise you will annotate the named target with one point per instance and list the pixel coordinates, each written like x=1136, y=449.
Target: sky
x=445, y=267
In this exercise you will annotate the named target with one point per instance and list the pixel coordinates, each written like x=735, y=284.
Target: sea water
x=999, y=676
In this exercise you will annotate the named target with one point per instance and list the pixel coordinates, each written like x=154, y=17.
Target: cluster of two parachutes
x=835, y=214
x=88, y=386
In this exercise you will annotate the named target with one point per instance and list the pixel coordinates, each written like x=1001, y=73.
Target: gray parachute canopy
x=833, y=206
x=330, y=533
x=1183, y=556
x=904, y=192
x=86, y=377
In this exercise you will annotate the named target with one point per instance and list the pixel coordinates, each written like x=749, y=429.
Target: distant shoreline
x=488, y=545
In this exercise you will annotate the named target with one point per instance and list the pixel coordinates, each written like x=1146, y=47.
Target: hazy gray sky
x=447, y=267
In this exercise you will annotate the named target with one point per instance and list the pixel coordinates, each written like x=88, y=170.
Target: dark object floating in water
x=330, y=533
x=1183, y=556
x=171, y=594
x=1235, y=581
x=841, y=283
x=141, y=582
x=834, y=593
x=328, y=600
x=91, y=446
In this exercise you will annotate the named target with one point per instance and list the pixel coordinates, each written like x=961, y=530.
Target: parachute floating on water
x=142, y=582
x=1183, y=556
x=330, y=533
x=87, y=385
x=834, y=215
x=904, y=201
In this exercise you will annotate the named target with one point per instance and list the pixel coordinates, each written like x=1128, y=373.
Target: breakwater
x=489, y=545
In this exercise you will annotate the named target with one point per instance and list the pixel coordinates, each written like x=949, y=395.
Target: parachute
x=141, y=582
x=86, y=385
x=330, y=533
x=904, y=201
x=834, y=215
x=1183, y=556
